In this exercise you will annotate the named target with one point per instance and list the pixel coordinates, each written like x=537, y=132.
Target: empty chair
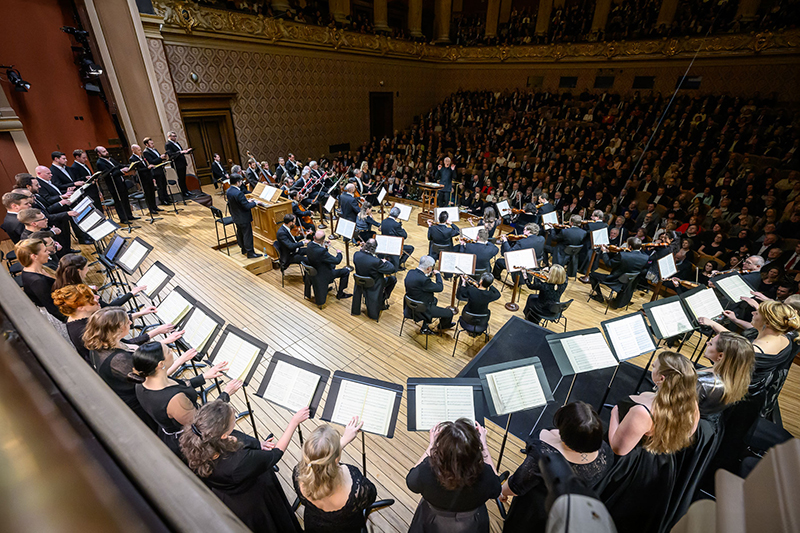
x=620, y=286
x=220, y=220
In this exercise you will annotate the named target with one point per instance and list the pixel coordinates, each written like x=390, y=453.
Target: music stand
x=200, y=319
x=474, y=384
x=733, y=286
x=133, y=255
x=666, y=269
x=285, y=400
x=344, y=415
x=172, y=309
x=158, y=276
x=456, y=263
x=571, y=363
x=516, y=261
x=667, y=318
x=629, y=337
x=345, y=229
x=702, y=302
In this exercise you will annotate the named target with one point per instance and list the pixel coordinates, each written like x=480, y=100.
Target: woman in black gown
x=550, y=292
x=171, y=402
x=37, y=281
x=239, y=469
x=579, y=438
x=334, y=495
x=645, y=432
x=72, y=270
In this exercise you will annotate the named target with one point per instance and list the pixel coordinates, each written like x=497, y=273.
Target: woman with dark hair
x=238, y=468
x=171, y=402
x=579, y=438
x=72, y=270
x=455, y=477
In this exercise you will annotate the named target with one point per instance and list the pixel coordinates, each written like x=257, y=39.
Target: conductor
x=240, y=208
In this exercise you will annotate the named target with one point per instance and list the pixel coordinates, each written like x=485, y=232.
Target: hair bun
x=135, y=377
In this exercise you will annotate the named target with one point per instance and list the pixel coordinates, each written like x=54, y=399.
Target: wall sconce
x=194, y=77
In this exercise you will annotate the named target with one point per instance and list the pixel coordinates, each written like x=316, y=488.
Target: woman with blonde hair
x=646, y=431
x=238, y=468
x=726, y=382
x=550, y=291
x=37, y=280
x=334, y=494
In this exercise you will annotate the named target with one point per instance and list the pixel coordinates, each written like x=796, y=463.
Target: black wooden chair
x=223, y=221
x=473, y=324
x=413, y=309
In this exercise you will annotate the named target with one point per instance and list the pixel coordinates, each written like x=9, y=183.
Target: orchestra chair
x=172, y=181
x=365, y=282
x=625, y=280
x=413, y=309
x=473, y=324
x=309, y=273
x=571, y=259
x=225, y=222
x=376, y=506
x=555, y=315
x=276, y=244
x=14, y=268
x=437, y=248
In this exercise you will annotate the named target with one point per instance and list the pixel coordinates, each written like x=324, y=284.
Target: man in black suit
x=291, y=249
x=348, y=203
x=218, y=173
x=382, y=273
x=325, y=263
x=660, y=197
x=61, y=176
x=571, y=236
x=441, y=234
x=531, y=239
x=478, y=299
x=444, y=176
x=154, y=158
x=596, y=223
x=143, y=169
x=48, y=191
x=178, y=155
x=393, y=227
x=291, y=166
x=252, y=174
x=546, y=206
x=482, y=249
x=14, y=202
x=632, y=261
x=58, y=214
x=280, y=170
x=81, y=172
x=115, y=182
x=421, y=288
x=240, y=208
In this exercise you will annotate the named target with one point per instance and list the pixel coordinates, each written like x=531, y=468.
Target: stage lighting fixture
x=89, y=68
x=16, y=80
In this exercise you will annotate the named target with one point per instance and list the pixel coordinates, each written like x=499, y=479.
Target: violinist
x=544, y=206
x=527, y=216
x=441, y=234
x=292, y=247
x=478, y=294
x=252, y=174
x=633, y=260
x=531, y=239
x=302, y=215
x=365, y=223
x=595, y=223
x=348, y=204
x=482, y=249
x=393, y=227
x=571, y=236
x=550, y=286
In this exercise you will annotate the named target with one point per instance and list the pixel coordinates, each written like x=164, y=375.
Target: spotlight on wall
x=194, y=77
x=89, y=68
x=15, y=79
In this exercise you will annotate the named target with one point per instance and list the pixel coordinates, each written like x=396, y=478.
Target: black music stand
x=565, y=363
x=411, y=401
x=152, y=293
x=645, y=344
x=660, y=331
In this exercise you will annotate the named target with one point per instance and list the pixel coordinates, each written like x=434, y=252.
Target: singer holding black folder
x=239, y=469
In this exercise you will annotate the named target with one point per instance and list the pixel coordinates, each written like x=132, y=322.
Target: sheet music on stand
x=702, y=302
x=201, y=327
x=457, y=263
x=270, y=194
x=471, y=232
x=628, y=336
x=431, y=401
x=133, y=255
x=75, y=196
x=516, y=260
x=405, y=211
x=503, y=208
x=382, y=195
x=452, y=214
x=668, y=317
x=550, y=218
x=84, y=204
x=329, y=203
x=83, y=212
x=581, y=351
x=241, y=350
x=293, y=383
x=666, y=266
x=174, y=307
x=389, y=245
x=600, y=237
x=375, y=402
x=345, y=228
x=155, y=278
x=102, y=230
x=733, y=286
x=90, y=220
x=515, y=386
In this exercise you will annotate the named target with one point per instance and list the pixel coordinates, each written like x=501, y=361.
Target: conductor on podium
x=240, y=208
x=445, y=175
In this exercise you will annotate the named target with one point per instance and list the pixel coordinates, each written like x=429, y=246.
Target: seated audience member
x=238, y=468
x=37, y=282
x=455, y=477
x=334, y=495
x=550, y=291
x=578, y=437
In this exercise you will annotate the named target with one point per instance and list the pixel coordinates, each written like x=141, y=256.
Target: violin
x=305, y=216
x=646, y=245
x=542, y=276
x=515, y=211
x=685, y=283
x=716, y=273
x=466, y=239
x=617, y=249
x=470, y=281
x=513, y=237
x=558, y=226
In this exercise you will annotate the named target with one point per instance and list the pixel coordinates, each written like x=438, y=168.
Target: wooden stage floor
x=334, y=339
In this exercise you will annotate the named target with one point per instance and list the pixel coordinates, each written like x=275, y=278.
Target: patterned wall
x=300, y=103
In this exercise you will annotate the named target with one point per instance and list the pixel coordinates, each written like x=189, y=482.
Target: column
x=279, y=7
x=415, y=18
x=543, y=16
x=442, y=34
x=380, y=15
x=667, y=12
x=340, y=9
x=601, y=10
x=505, y=11
x=748, y=9
x=492, y=16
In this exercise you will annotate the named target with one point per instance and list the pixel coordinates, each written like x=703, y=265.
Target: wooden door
x=209, y=130
x=381, y=113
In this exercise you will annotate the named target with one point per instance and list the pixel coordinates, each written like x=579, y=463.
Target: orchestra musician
x=280, y=170
x=478, y=296
x=240, y=208
x=531, y=239
x=218, y=173
x=627, y=261
x=154, y=158
x=550, y=290
x=252, y=174
x=393, y=227
x=145, y=178
x=441, y=234
x=421, y=288
x=586, y=254
x=287, y=185
x=527, y=216
x=482, y=249
x=302, y=215
x=544, y=207
x=348, y=204
x=324, y=262
x=292, y=249
x=382, y=273
x=571, y=236
x=115, y=181
x=291, y=166
x=265, y=172
x=178, y=156
x=365, y=223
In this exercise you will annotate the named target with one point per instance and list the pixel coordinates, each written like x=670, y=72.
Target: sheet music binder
x=218, y=320
x=188, y=298
x=715, y=279
x=688, y=308
x=333, y=395
x=152, y=292
x=560, y=355
x=130, y=269
x=411, y=399
x=233, y=330
x=605, y=324
x=323, y=373
x=484, y=371
x=648, y=310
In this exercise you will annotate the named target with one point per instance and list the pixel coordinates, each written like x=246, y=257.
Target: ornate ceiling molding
x=195, y=19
